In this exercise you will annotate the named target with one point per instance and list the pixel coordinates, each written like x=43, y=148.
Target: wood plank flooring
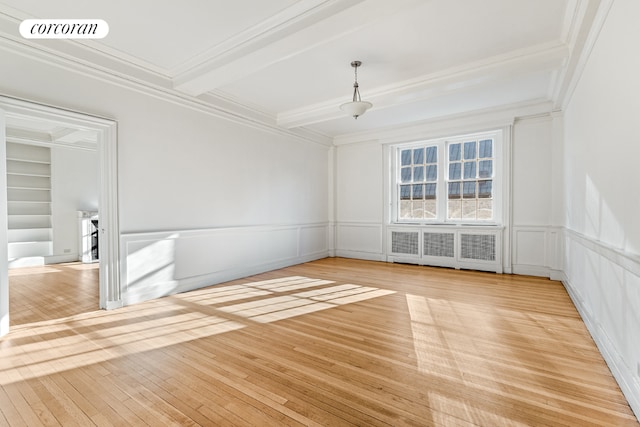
x=328, y=343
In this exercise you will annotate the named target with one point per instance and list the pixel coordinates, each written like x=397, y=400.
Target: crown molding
x=87, y=51
x=587, y=21
x=475, y=121
x=230, y=111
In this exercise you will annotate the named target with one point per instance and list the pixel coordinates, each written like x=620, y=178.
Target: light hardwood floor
x=328, y=343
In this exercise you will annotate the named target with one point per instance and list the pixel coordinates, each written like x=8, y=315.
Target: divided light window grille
x=470, y=180
x=448, y=180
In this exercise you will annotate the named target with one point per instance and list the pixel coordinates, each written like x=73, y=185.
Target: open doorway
x=64, y=131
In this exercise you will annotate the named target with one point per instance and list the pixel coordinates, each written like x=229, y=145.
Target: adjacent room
x=318, y=212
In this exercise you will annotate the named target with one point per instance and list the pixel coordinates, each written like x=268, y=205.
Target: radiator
x=469, y=247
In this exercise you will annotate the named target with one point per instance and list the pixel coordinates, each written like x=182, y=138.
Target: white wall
x=359, y=200
x=536, y=242
x=601, y=152
x=74, y=187
x=191, y=180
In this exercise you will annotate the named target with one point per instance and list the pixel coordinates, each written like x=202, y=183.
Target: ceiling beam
x=304, y=26
x=472, y=75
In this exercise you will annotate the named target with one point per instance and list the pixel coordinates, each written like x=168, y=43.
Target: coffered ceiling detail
x=287, y=62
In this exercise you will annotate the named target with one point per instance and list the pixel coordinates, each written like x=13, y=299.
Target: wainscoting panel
x=163, y=263
x=359, y=240
x=536, y=251
x=604, y=284
x=313, y=240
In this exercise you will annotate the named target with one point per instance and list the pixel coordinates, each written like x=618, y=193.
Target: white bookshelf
x=29, y=204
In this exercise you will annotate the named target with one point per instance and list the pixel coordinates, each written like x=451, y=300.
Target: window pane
x=469, y=170
x=405, y=192
x=469, y=209
x=418, y=192
x=484, y=188
x=405, y=174
x=454, y=190
x=417, y=209
x=432, y=154
x=469, y=190
x=486, y=148
x=418, y=173
x=432, y=173
x=470, y=150
x=455, y=170
x=454, y=152
x=430, y=191
x=405, y=209
x=405, y=157
x=418, y=156
x=485, y=209
x=454, y=209
x=486, y=168
x=430, y=209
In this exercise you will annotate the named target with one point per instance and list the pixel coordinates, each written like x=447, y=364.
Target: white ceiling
x=288, y=61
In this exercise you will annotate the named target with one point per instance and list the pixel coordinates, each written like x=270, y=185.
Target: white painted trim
x=108, y=204
x=625, y=376
x=227, y=110
x=228, y=272
x=588, y=20
x=506, y=187
x=299, y=31
x=617, y=256
x=59, y=259
x=291, y=31
x=368, y=256
x=472, y=122
x=342, y=248
x=4, y=239
x=531, y=270
x=553, y=253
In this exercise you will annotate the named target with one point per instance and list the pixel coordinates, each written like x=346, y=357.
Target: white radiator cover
x=468, y=247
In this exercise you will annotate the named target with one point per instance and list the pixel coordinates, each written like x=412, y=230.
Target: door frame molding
x=107, y=148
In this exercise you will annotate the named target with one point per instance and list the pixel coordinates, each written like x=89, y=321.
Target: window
x=447, y=180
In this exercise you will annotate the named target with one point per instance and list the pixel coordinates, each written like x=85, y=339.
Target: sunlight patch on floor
x=46, y=347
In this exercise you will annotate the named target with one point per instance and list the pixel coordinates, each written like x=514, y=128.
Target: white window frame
x=441, y=192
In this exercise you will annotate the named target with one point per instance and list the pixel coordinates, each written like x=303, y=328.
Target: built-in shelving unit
x=29, y=204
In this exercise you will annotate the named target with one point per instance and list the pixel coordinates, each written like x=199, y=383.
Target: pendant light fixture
x=357, y=106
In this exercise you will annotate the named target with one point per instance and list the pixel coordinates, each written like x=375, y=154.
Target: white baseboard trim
x=531, y=270
x=112, y=305
x=367, y=256
x=623, y=374
x=59, y=259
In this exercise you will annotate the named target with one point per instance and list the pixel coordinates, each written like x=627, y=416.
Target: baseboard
x=531, y=270
x=59, y=259
x=367, y=256
x=623, y=374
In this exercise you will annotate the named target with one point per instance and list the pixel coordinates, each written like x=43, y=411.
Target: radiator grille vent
x=404, y=242
x=439, y=244
x=478, y=246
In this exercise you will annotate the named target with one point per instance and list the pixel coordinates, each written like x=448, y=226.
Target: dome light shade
x=357, y=106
